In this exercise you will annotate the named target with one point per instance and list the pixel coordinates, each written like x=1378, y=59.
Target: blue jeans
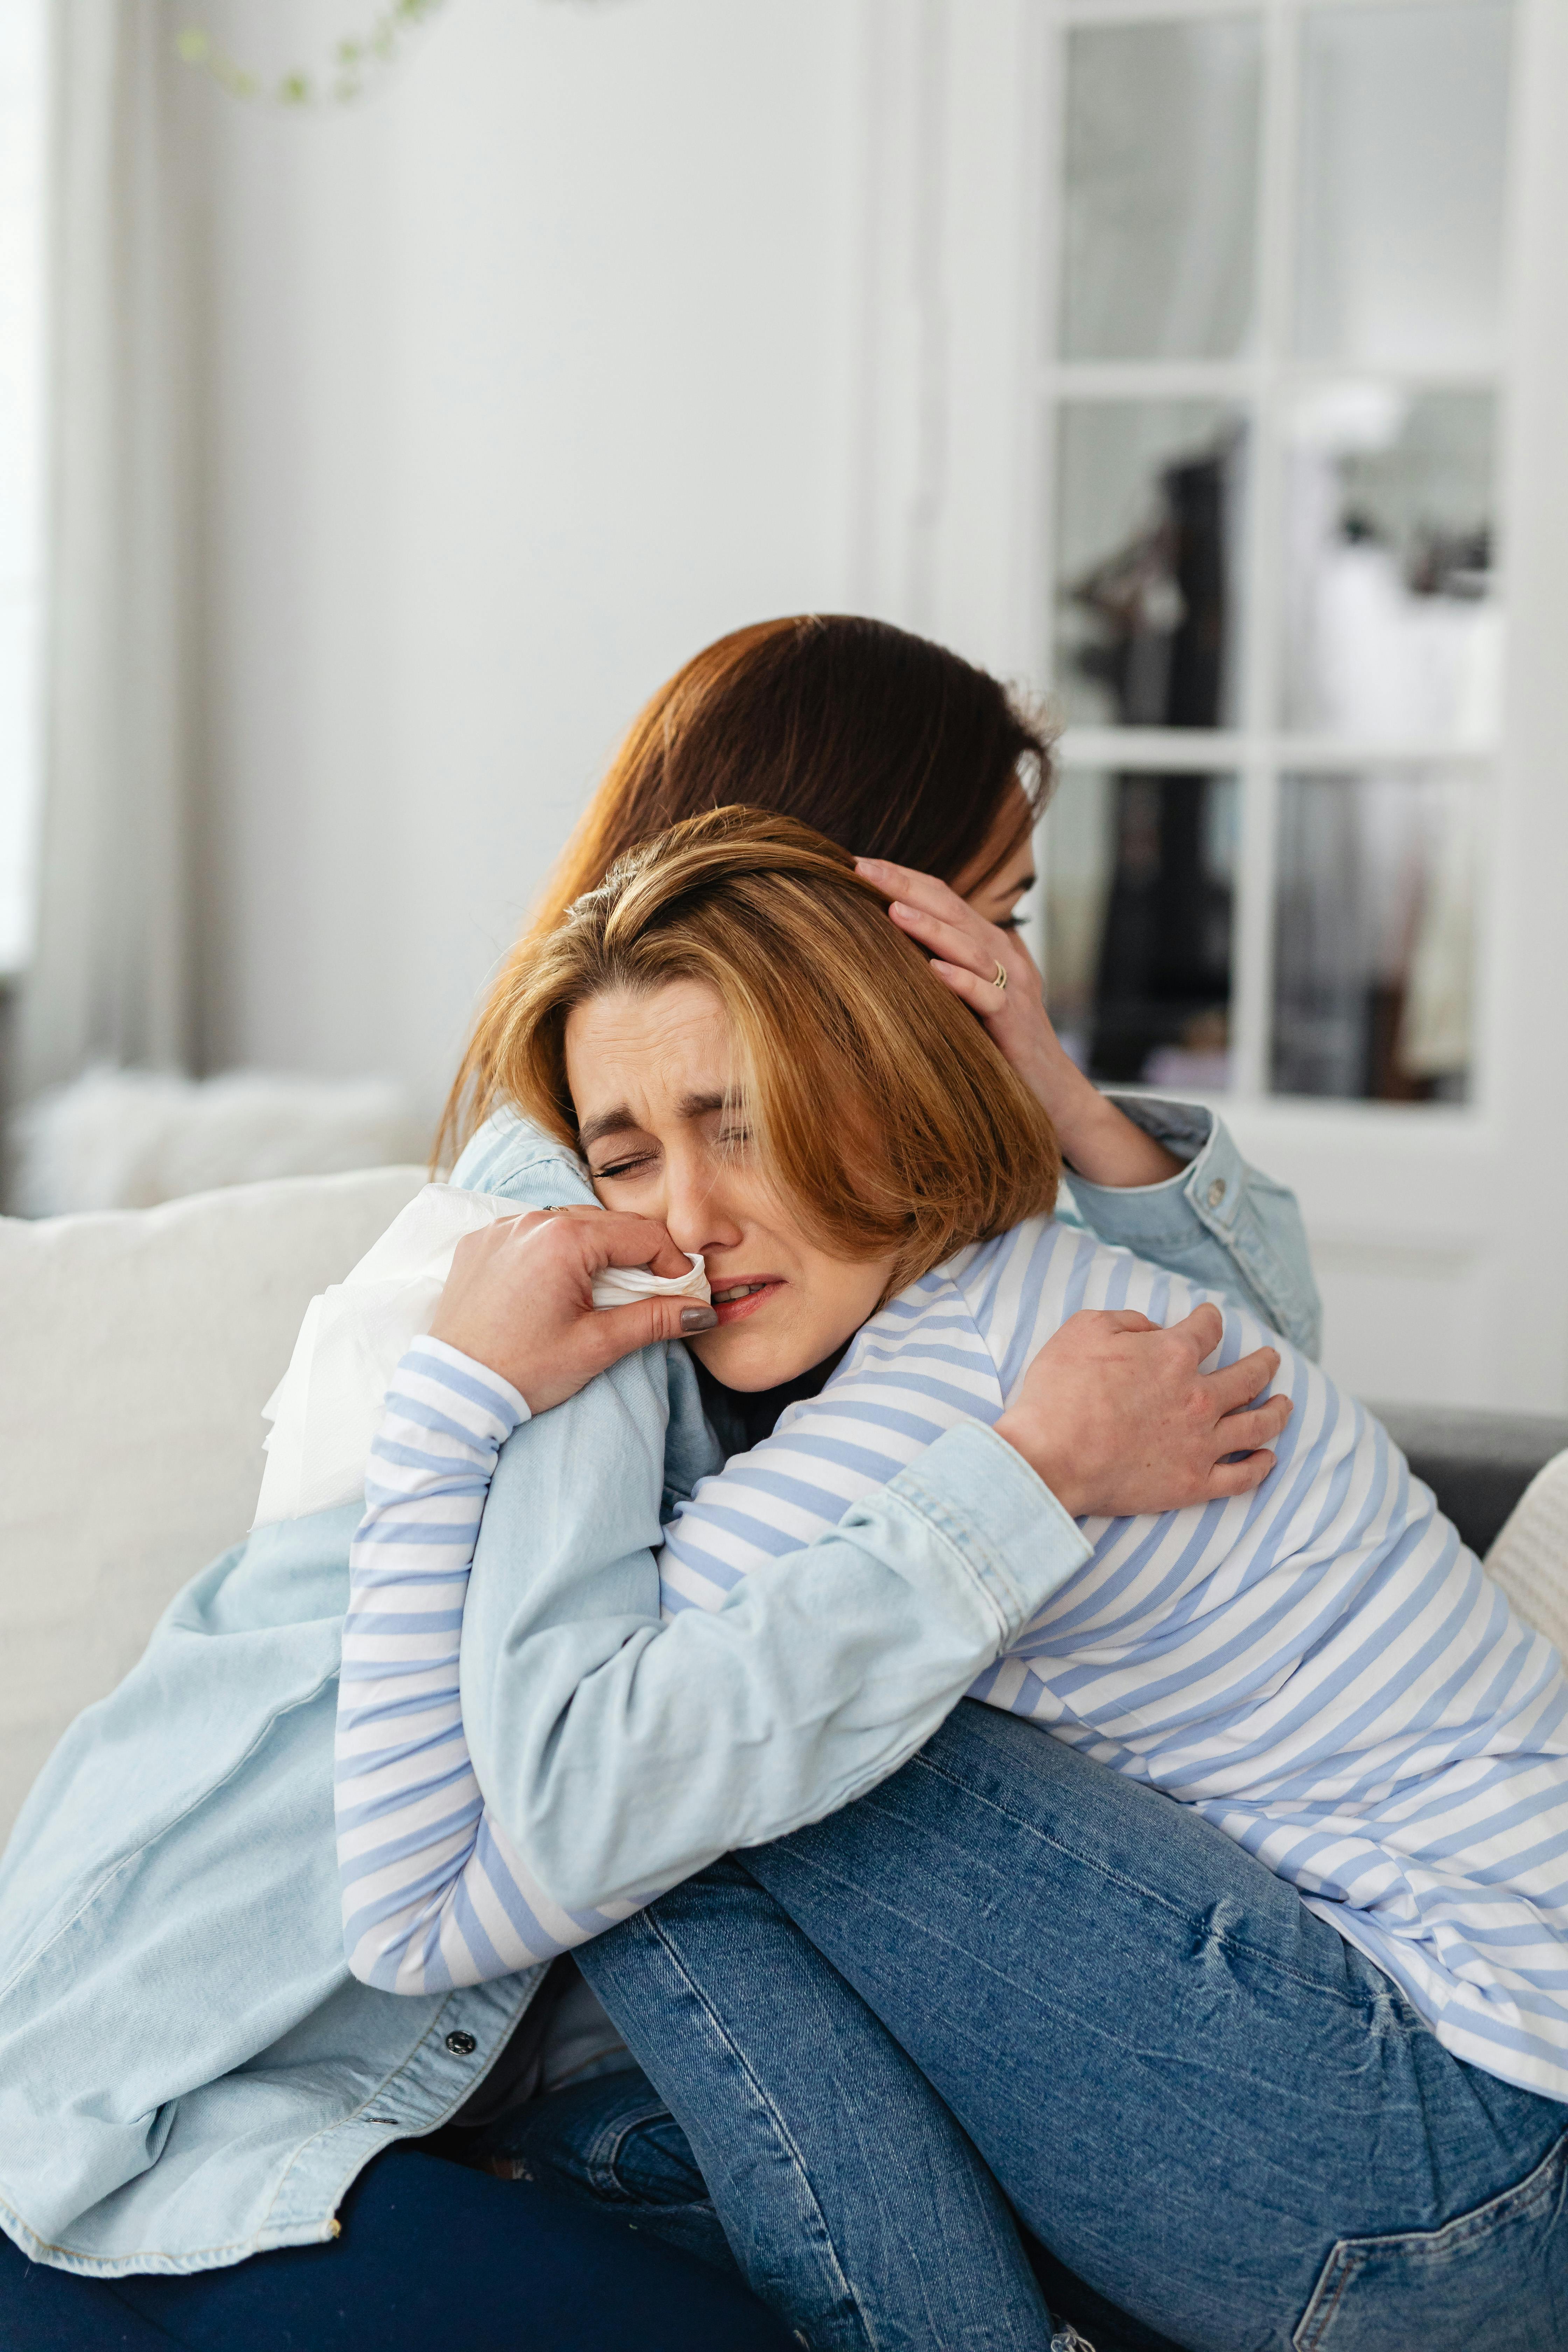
x=906, y=2199
x=1206, y=2104
x=431, y=2254
x=610, y=2141
x=614, y=2142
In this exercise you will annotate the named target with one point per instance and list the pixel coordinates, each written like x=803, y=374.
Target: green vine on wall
x=358, y=63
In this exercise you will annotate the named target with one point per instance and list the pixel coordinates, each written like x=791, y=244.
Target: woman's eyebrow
x=699, y=1105
x=609, y=1122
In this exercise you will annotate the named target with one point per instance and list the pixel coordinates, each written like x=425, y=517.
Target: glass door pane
x=1149, y=531
x=1392, y=626
x=1400, y=202
x=1161, y=194
x=1140, y=883
x=1374, y=936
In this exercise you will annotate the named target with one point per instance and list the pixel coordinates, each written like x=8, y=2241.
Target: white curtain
x=111, y=976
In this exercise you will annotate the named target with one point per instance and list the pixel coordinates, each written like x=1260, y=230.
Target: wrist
x=1104, y=1147
x=1015, y=1429
x=502, y=1394
x=1075, y=1106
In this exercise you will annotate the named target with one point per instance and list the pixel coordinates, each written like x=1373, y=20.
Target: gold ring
x=1001, y=979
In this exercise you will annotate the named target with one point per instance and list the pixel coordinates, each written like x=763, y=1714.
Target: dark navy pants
x=431, y=2255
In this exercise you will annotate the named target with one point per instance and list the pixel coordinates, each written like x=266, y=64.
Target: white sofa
x=139, y=1347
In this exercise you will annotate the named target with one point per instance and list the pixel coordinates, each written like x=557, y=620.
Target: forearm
x=643, y=1750
x=415, y=1856
x=620, y=1752
x=1099, y=1141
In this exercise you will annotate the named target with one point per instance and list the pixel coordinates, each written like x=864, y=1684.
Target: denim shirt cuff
x=1210, y=1185
x=1252, y=1220
x=1014, y=1537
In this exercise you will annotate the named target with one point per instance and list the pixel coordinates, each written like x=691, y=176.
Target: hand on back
x=1117, y=1418
x=519, y=1298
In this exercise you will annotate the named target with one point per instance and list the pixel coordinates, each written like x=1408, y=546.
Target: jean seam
x=1343, y=2262
x=1349, y=2256
x=1134, y=1887
x=603, y=2157
x=786, y=2135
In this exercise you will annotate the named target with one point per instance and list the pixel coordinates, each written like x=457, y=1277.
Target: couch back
x=137, y=1347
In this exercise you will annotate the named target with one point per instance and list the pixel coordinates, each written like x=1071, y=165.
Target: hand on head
x=969, y=952
x=988, y=968
x=1117, y=1416
x=519, y=1298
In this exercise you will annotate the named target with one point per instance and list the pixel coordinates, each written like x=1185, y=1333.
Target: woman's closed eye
x=638, y=1163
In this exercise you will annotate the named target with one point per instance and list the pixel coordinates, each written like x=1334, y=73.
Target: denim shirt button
x=1217, y=1192
x=462, y=2045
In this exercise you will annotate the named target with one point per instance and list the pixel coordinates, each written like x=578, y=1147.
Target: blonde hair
x=883, y=1112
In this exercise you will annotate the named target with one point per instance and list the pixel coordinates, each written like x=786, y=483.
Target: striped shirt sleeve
x=853, y=1647
x=408, y=1808
x=433, y=1894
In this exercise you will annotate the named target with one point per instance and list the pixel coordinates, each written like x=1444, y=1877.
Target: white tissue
x=325, y=1409
x=623, y=1286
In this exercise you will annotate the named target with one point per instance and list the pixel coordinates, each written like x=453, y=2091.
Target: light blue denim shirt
x=188, y=2073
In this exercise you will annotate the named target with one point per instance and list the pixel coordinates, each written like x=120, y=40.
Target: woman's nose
x=696, y=1213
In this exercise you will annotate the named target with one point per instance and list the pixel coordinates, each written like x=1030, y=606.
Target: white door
x=1215, y=363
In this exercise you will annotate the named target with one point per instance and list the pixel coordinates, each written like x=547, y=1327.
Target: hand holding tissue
x=325, y=1409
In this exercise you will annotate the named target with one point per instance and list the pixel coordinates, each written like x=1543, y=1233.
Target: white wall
x=562, y=356
x=528, y=378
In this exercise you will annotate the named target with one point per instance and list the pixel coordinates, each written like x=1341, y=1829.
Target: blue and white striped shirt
x=1320, y=1667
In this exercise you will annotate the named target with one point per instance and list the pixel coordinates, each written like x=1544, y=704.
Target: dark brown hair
x=884, y=742
x=882, y=1109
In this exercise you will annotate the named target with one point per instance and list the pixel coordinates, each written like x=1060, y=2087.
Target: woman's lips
x=731, y=1310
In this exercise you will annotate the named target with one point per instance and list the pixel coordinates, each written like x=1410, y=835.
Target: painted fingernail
x=698, y=1318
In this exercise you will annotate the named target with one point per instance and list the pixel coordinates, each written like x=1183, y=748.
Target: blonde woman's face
x=651, y=1082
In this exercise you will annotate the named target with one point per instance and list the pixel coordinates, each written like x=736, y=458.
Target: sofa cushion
x=1529, y=1558
x=140, y=1345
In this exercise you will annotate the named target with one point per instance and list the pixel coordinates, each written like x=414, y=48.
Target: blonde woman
x=1281, y=2062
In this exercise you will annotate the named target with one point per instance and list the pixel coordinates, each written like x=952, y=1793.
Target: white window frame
x=1436, y=1229
x=1264, y=384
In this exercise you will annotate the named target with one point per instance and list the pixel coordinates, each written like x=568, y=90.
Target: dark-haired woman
x=207, y=2127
